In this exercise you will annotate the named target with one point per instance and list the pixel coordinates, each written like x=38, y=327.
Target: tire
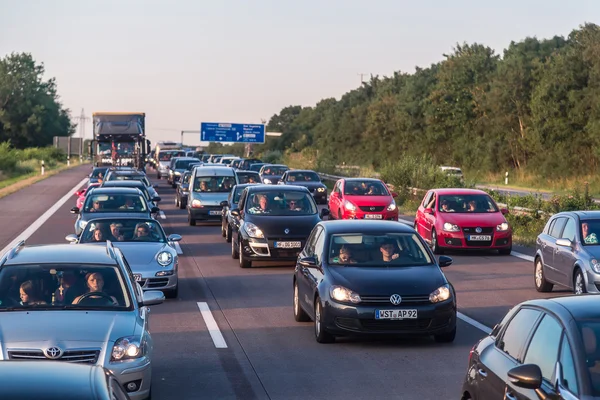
x=234, y=252
x=321, y=335
x=447, y=337
x=228, y=234
x=191, y=221
x=158, y=176
x=579, y=281
x=435, y=247
x=182, y=205
x=539, y=278
x=177, y=203
x=173, y=293
x=244, y=262
x=223, y=232
x=299, y=314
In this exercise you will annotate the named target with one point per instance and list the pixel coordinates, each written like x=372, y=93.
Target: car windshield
x=138, y=186
x=590, y=335
x=248, y=177
x=288, y=203
x=115, y=203
x=365, y=188
x=215, y=184
x=389, y=249
x=183, y=164
x=192, y=165
x=467, y=203
x=97, y=171
x=590, y=230
x=63, y=286
x=255, y=167
x=274, y=170
x=303, y=177
x=123, y=230
x=167, y=155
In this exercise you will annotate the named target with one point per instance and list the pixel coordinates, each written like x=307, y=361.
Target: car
x=82, y=193
x=52, y=380
x=256, y=166
x=542, y=349
x=270, y=174
x=272, y=223
x=177, y=167
x=362, y=198
x=453, y=172
x=97, y=174
x=309, y=179
x=125, y=175
x=246, y=163
x=183, y=190
x=231, y=204
x=112, y=202
x=247, y=177
x=164, y=159
x=193, y=165
x=152, y=257
x=209, y=187
x=77, y=304
x=463, y=219
x=372, y=277
x=566, y=253
x=134, y=184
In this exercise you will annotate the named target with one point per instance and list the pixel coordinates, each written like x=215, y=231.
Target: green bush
x=15, y=162
x=272, y=157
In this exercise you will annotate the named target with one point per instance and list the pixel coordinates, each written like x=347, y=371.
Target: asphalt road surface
x=248, y=346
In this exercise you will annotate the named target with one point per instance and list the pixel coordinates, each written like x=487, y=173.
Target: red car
x=362, y=198
x=81, y=194
x=463, y=219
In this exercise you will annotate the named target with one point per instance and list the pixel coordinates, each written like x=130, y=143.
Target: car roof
x=365, y=226
x=241, y=186
x=362, y=180
x=127, y=172
x=120, y=190
x=587, y=214
x=130, y=182
x=580, y=307
x=246, y=172
x=276, y=188
x=458, y=191
x=187, y=159
x=277, y=165
x=301, y=170
x=207, y=170
x=61, y=254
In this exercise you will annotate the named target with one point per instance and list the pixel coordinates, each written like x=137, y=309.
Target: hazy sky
x=187, y=61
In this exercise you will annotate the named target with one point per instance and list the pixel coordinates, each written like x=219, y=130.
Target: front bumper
x=149, y=280
x=206, y=213
x=265, y=250
x=374, y=215
x=137, y=371
x=461, y=240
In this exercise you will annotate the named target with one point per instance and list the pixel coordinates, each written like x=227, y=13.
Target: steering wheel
x=89, y=295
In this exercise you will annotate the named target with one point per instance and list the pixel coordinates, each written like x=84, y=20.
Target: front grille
x=371, y=208
x=423, y=299
x=155, y=283
x=72, y=356
x=395, y=325
x=478, y=243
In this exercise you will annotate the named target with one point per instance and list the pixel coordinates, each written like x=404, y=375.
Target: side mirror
x=428, y=211
x=156, y=199
x=154, y=210
x=564, y=242
x=324, y=212
x=224, y=203
x=394, y=194
x=71, y=238
x=445, y=261
x=308, y=262
x=527, y=376
x=75, y=210
x=174, y=237
x=504, y=211
x=235, y=213
x=153, y=297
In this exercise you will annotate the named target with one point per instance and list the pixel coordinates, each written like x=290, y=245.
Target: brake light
x=471, y=353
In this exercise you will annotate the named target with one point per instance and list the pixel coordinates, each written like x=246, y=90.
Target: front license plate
x=288, y=245
x=396, y=314
x=215, y=213
x=373, y=216
x=138, y=277
x=480, y=237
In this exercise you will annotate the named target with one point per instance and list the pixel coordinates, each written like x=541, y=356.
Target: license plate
x=138, y=277
x=396, y=314
x=288, y=245
x=373, y=216
x=215, y=213
x=480, y=237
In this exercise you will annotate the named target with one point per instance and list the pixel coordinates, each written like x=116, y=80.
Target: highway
x=266, y=354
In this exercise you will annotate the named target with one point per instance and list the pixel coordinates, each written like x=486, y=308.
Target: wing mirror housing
x=153, y=297
x=527, y=376
x=72, y=238
x=156, y=199
x=324, y=212
x=309, y=262
x=224, y=203
x=564, y=242
x=445, y=261
x=75, y=210
x=235, y=213
x=154, y=210
x=174, y=237
x=394, y=194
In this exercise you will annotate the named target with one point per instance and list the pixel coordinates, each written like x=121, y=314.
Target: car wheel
x=234, y=253
x=158, y=176
x=223, y=232
x=191, y=221
x=435, y=247
x=321, y=335
x=177, y=201
x=299, y=314
x=579, y=282
x=182, y=204
x=541, y=284
x=447, y=337
x=173, y=293
x=228, y=234
x=244, y=262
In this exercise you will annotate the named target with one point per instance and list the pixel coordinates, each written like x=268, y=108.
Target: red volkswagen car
x=463, y=219
x=362, y=198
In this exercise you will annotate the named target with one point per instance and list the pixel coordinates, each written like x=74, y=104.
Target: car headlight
x=82, y=224
x=127, y=348
x=196, y=203
x=253, y=231
x=177, y=173
x=349, y=206
x=440, y=294
x=595, y=265
x=267, y=181
x=448, y=227
x=392, y=206
x=502, y=227
x=164, y=273
x=320, y=190
x=340, y=293
x=164, y=258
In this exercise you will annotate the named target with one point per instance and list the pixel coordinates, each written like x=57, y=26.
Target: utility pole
x=361, y=76
x=81, y=120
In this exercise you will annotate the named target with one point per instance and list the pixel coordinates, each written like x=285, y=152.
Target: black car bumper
x=269, y=250
x=206, y=213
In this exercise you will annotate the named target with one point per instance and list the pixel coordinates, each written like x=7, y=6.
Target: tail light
x=471, y=353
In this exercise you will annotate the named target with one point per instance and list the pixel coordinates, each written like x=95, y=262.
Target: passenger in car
x=294, y=205
x=142, y=233
x=389, y=250
x=115, y=232
x=96, y=206
x=589, y=238
x=472, y=206
x=95, y=284
x=66, y=281
x=98, y=235
x=129, y=204
x=345, y=256
x=446, y=207
x=29, y=295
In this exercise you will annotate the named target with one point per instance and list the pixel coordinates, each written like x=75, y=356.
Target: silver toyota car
x=77, y=304
x=151, y=255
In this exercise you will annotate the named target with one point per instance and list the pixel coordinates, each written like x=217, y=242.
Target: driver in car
x=95, y=284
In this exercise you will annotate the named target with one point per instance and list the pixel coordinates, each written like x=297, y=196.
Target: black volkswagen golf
x=272, y=223
x=372, y=277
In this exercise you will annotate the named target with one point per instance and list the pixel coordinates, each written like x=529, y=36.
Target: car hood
x=141, y=256
x=65, y=325
x=209, y=198
x=363, y=201
x=474, y=219
x=87, y=216
x=385, y=281
x=275, y=226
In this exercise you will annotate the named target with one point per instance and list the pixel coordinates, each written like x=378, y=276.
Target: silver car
x=151, y=255
x=77, y=304
x=567, y=253
x=209, y=187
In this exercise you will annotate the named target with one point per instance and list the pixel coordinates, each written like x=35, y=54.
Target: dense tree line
x=535, y=108
x=30, y=111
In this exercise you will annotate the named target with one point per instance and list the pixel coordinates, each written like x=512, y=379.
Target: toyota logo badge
x=287, y=231
x=478, y=230
x=395, y=299
x=53, y=353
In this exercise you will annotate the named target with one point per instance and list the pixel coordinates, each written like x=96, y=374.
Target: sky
x=184, y=62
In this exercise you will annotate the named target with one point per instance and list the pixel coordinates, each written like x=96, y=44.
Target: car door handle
x=510, y=396
x=482, y=373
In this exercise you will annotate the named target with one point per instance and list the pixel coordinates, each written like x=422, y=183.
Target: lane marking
x=474, y=323
x=26, y=234
x=521, y=255
x=162, y=215
x=178, y=248
x=212, y=326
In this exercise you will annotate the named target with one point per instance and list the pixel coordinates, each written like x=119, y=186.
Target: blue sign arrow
x=232, y=133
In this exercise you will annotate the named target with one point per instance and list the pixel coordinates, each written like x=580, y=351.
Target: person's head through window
x=95, y=284
x=294, y=205
x=28, y=294
x=98, y=235
x=472, y=206
x=142, y=231
x=115, y=230
x=263, y=202
x=203, y=186
x=346, y=256
x=588, y=237
x=389, y=250
x=129, y=203
x=226, y=184
x=251, y=179
x=446, y=206
x=96, y=206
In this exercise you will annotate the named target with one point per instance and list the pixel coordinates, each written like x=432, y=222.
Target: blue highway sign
x=228, y=132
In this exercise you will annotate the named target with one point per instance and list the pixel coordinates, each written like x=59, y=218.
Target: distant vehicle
x=177, y=167
x=247, y=176
x=256, y=166
x=453, y=172
x=228, y=205
x=209, y=187
x=362, y=198
x=272, y=173
x=182, y=190
x=310, y=180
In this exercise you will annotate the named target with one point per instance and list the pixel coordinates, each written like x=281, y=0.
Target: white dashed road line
x=162, y=215
x=522, y=256
x=212, y=326
x=474, y=323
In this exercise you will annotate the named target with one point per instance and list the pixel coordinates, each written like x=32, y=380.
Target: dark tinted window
x=248, y=177
x=517, y=331
x=557, y=227
x=303, y=177
x=469, y=203
x=543, y=348
x=183, y=164
x=568, y=367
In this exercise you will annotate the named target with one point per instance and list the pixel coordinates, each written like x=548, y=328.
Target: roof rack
x=110, y=250
x=11, y=253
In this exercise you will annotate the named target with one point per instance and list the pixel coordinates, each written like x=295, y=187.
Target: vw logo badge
x=395, y=299
x=287, y=231
x=478, y=230
x=372, y=208
x=53, y=353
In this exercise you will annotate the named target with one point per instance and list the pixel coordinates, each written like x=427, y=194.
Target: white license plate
x=373, y=216
x=138, y=277
x=288, y=245
x=395, y=314
x=480, y=237
x=215, y=213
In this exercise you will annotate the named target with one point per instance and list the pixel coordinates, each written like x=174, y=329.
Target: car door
x=225, y=214
x=496, y=360
x=236, y=221
x=305, y=290
x=315, y=274
x=564, y=257
x=550, y=248
x=420, y=217
x=334, y=199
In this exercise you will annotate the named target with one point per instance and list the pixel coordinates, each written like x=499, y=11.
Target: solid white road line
x=521, y=255
x=43, y=218
x=178, y=248
x=162, y=215
x=212, y=326
x=474, y=323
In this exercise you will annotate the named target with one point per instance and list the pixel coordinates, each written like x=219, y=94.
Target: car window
x=517, y=331
x=319, y=245
x=285, y=202
x=426, y=199
x=544, y=345
x=467, y=203
x=213, y=184
x=549, y=226
x=590, y=230
x=248, y=177
x=115, y=203
x=568, y=367
x=570, y=229
x=557, y=228
x=123, y=230
x=365, y=188
x=312, y=240
x=303, y=177
x=590, y=337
